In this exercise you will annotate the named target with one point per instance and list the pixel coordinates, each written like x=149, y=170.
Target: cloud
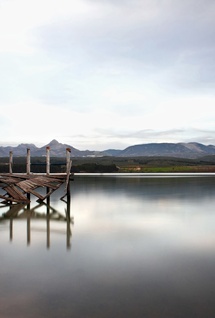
x=162, y=41
x=121, y=66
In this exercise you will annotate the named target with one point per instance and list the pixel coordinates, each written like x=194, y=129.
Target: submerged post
x=11, y=162
x=28, y=167
x=48, y=160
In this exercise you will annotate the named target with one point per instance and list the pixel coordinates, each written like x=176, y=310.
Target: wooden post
x=28, y=168
x=10, y=162
x=68, y=151
x=68, y=168
x=47, y=160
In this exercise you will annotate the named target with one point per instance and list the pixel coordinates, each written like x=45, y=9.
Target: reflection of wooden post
x=48, y=223
x=11, y=228
x=28, y=220
x=10, y=162
x=28, y=229
x=47, y=160
x=68, y=229
x=11, y=225
x=28, y=168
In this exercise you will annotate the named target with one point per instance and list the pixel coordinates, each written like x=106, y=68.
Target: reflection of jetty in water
x=20, y=186
x=23, y=211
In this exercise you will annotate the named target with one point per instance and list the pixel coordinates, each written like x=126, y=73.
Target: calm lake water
x=133, y=247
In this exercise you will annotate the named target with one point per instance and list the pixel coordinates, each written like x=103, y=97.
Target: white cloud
x=106, y=70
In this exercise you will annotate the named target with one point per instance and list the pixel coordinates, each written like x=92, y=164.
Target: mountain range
x=57, y=149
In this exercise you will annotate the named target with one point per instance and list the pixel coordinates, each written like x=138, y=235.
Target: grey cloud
x=171, y=34
x=177, y=135
x=168, y=43
x=150, y=135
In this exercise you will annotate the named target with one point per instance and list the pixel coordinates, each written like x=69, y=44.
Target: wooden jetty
x=19, y=186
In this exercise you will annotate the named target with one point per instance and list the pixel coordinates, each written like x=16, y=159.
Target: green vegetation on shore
x=113, y=164
x=170, y=169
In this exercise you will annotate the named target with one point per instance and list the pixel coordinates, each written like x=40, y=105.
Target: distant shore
x=115, y=165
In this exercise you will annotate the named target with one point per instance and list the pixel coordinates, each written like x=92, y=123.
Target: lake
x=134, y=246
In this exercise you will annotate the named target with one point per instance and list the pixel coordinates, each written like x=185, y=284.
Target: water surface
x=139, y=247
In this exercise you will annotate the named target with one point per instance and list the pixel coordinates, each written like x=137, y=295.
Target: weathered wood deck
x=19, y=186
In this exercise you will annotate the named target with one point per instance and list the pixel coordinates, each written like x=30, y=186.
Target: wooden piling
x=68, y=151
x=68, y=168
x=28, y=164
x=47, y=160
x=11, y=162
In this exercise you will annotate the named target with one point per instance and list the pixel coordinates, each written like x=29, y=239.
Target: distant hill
x=57, y=149
x=179, y=150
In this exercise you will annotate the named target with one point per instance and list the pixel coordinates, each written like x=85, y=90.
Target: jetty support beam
x=11, y=162
x=28, y=165
x=47, y=160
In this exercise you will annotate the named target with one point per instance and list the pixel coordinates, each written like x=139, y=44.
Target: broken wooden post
x=11, y=162
x=47, y=160
x=28, y=168
x=68, y=168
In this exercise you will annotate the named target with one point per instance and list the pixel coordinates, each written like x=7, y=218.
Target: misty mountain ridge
x=57, y=149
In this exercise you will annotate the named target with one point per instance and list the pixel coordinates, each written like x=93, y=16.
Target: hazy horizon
x=91, y=149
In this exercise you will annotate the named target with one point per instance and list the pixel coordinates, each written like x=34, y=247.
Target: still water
x=132, y=247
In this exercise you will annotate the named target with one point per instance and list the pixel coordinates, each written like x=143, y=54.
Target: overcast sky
x=99, y=74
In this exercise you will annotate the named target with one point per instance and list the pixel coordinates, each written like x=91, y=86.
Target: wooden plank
x=41, y=183
x=15, y=193
x=51, y=178
x=28, y=185
x=47, y=195
x=16, y=184
x=32, y=175
x=25, y=187
x=36, y=194
x=9, y=180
